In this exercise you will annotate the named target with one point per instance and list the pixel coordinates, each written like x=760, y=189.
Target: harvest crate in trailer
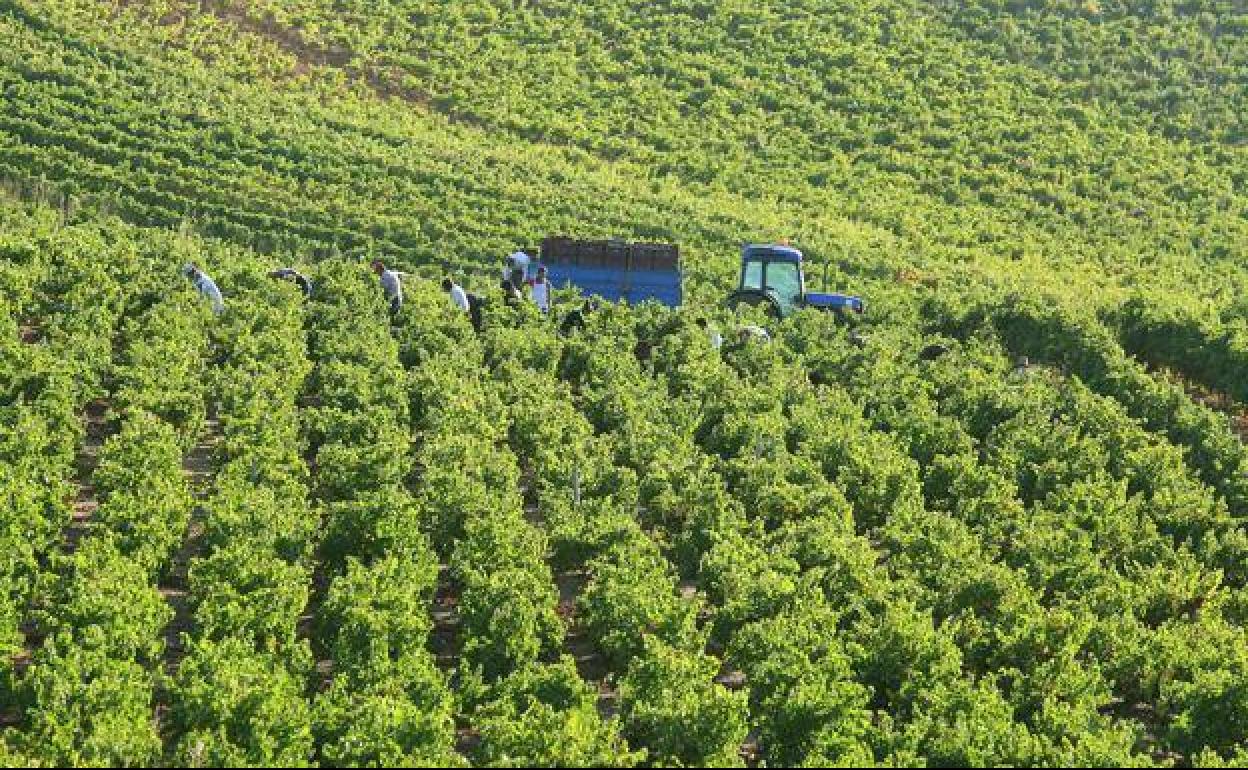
x=615, y=270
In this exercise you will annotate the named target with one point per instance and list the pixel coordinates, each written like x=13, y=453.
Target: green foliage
x=244, y=507
x=546, y=716
x=810, y=708
x=105, y=602
x=241, y=593
x=236, y=706
x=144, y=498
x=375, y=524
x=630, y=598
x=393, y=724
x=669, y=704
x=88, y=708
x=162, y=373
x=377, y=620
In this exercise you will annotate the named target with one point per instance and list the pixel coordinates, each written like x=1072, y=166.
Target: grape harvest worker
x=206, y=286
x=511, y=294
x=517, y=269
x=712, y=334
x=390, y=285
x=540, y=289
x=469, y=303
x=752, y=332
x=576, y=319
x=290, y=274
x=459, y=297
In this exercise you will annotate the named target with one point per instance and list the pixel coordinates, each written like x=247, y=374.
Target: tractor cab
x=772, y=278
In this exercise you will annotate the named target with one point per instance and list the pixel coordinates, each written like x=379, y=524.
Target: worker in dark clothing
x=577, y=318
x=475, y=304
x=1022, y=369
x=713, y=336
x=290, y=274
x=511, y=294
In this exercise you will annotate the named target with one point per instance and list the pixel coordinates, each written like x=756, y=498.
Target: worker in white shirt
x=459, y=297
x=712, y=335
x=469, y=303
x=390, y=285
x=517, y=269
x=754, y=333
x=206, y=287
x=540, y=289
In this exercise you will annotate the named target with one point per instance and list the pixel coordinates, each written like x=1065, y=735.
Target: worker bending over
x=750, y=332
x=516, y=269
x=469, y=303
x=576, y=320
x=390, y=285
x=206, y=287
x=712, y=334
x=290, y=274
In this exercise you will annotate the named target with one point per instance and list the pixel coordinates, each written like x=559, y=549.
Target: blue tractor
x=772, y=278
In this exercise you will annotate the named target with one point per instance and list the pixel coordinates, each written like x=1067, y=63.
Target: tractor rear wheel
x=754, y=299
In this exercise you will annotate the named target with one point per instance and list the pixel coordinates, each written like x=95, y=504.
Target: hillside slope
x=1003, y=522
x=879, y=134
x=409, y=543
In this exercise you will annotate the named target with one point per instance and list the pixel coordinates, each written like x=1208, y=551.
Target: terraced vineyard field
x=302, y=532
x=298, y=533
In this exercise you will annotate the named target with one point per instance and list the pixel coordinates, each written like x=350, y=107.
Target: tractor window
x=785, y=279
x=752, y=275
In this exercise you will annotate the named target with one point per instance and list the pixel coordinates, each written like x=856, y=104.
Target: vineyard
x=297, y=533
x=304, y=533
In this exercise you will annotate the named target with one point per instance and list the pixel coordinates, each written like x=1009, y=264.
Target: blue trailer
x=614, y=270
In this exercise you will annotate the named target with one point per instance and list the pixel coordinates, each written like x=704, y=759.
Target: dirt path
x=198, y=466
x=85, y=501
x=318, y=589
x=446, y=643
x=444, y=640
x=590, y=662
x=1210, y=398
x=307, y=628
